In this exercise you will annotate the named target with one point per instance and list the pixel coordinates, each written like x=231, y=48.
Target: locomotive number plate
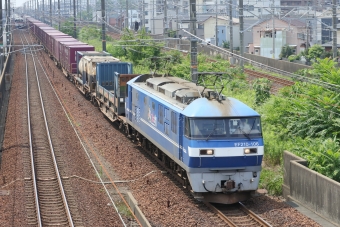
x=246, y=144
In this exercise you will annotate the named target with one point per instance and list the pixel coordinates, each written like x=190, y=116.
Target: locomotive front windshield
x=218, y=128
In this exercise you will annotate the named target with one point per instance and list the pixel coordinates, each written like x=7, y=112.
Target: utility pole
x=74, y=20
x=231, y=43
x=273, y=31
x=216, y=29
x=193, y=41
x=103, y=26
x=241, y=32
x=335, y=22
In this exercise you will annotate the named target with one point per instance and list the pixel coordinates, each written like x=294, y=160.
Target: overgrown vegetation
x=303, y=118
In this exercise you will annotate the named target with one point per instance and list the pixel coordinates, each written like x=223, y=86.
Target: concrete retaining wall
x=138, y=213
x=311, y=189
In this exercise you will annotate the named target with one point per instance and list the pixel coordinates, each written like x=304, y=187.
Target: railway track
x=44, y=186
x=272, y=78
x=277, y=82
x=237, y=215
x=116, y=198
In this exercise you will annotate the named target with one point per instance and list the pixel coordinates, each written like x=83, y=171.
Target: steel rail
x=31, y=145
x=67, y=209
x=85, y=149
x=220, y=214
x=240, y=206
x=253, y=215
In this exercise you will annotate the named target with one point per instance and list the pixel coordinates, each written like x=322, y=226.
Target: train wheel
x=94, y=101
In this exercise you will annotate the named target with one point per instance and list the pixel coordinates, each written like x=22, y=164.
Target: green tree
x=286, y=51
x=90, y=32
x=68, y=27
x=139, y=47
x=315, y=52
x=226, y=44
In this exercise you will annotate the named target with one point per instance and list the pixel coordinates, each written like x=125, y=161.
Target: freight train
x=212, y=143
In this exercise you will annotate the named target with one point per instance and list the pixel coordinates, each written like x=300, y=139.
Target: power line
x=330, y=86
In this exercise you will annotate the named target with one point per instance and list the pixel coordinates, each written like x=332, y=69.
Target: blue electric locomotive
x=214, y=143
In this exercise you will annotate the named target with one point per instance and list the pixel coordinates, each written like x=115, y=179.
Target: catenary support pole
x=103, y=25
x=216, y=28
x=231, y=43
x=165, y=29
x=143, y=14
x=127, y=15
x=240, y=7
x=193, y=41
x=59, y=15
x=74, y=20
x=273, y=31
x=335, y=22
x=51, y=13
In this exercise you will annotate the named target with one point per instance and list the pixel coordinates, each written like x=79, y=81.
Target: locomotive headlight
x=207, y=152
x=250, y=150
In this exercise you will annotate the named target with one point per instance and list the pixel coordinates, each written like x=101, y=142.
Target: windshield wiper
x=251, y=128
x=211, y=133
x=244, y=133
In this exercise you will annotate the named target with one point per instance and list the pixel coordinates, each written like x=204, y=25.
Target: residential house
x=223, y=31
x=329, y=45
x=290, y=32
x=177, y=10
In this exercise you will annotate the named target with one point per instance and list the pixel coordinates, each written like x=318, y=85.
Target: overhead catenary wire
x=330, y=86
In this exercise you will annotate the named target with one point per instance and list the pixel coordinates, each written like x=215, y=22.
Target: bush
x=262, y=88
x=292, y=58
x=286, y=51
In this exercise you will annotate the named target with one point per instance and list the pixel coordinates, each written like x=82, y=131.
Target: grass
x=123, y=209
x=272, y=179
